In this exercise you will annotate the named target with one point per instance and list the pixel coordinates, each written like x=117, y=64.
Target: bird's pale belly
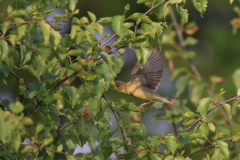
x=144, y=94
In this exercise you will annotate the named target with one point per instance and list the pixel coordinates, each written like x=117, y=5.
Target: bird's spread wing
x=151, y=73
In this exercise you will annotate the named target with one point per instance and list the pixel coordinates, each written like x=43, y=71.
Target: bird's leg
x=143, y=109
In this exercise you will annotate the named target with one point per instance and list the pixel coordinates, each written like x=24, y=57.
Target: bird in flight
x=144, y=82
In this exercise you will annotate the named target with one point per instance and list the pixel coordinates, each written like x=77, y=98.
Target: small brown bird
x=144, y=82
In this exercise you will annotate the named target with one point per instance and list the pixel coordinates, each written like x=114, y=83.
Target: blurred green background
x=217, y=52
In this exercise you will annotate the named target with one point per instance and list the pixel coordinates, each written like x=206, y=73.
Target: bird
x=144, y=82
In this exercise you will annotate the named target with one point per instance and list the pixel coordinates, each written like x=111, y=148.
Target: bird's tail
x=162, y=99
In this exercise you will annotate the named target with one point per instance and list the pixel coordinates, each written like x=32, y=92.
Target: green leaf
x=231, y=1
x=92, y=16
x=93, y=133
x=117, y=144
x=50, y=77
x=144, y=18
x=127, y=25
x=189, y=54
x=181, y=83
x=3, y=49
x=211, y=127
x=105, y=136
x=160, y=116
x=175, y=1
x=215, y=153
x=16, y=139
x=106, y=73
x=6, y=82
x=117, y=63
x=223, y=146
x=188, y=115
x=203, y=107
x=16, y=107
x=99, y=87
x=236, y=139
x=46, y=31
x=4, y=69
x=105, y=20
x=55, y=38
x=142, y=55
x=154, y=142
x=178, y=72
x=99, y=28
x=27, y=121
x=71, y=95
x=75, y=52
x=130, y=107
x=236, y=78
x=94, y=106
x=31, y=70
x=183, y=12
x=17, y=13
x=190, y=41
x=117, y=24
x=170, y=54
x=171, y=143
x=154, y=156
x=200, y=5
x=72, y=4
x=166, y=8
x=227, y=108
x=107, y=59
x=5, y=130
x=199, y=136
x=222, y=134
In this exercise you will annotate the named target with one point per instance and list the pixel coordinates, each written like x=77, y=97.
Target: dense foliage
x=31, y=44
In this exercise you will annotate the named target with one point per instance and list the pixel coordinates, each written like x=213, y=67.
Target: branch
x=131, y=153
x=48, y=21
x=134, y=22
x=39, y=103
x=194, y=68
x=204, y=148
x=30, y=22
x=120, y=126
x=34, y=108
x=67, y=77
x=214, y=107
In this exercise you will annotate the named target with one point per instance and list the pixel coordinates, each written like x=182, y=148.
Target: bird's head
x=120, y=86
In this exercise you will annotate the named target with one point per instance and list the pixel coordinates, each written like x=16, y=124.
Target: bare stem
x=16, y=76
x=134, y=22
x=119, y=124
x=204, y=148
x=214, y=107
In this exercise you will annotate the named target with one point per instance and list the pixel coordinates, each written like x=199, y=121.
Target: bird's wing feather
x=151, y=73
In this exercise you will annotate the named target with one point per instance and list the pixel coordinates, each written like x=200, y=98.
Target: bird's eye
x=117, y=86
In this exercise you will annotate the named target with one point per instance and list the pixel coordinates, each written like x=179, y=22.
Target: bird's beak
x=111, y=86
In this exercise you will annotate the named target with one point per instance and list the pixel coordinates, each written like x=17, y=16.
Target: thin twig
x=120, y=126
x=16, y=76
x=48, y=22
x=214, y=107
x=134, y=22
x=194, y=68
x=34, y=108
x=180, y=36
x=174, y=126
x=204, y=148
x=67, y=77
x=31, y=22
